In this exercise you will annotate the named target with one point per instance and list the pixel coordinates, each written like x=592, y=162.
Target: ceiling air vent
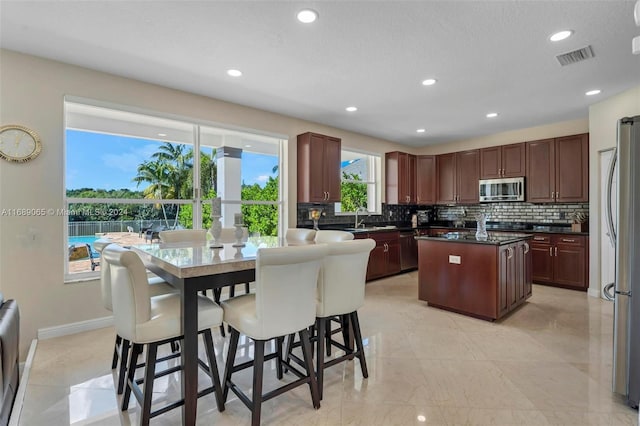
x=575, y=56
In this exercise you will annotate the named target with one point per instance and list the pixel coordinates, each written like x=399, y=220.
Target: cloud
x=262, y=178
x=129, y=161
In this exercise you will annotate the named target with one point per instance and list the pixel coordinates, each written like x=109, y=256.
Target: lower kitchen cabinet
x=514, y=276
x=561, y=260
x=384, y=259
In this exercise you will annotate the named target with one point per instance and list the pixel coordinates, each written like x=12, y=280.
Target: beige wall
x=32, y=251
x=603, y=122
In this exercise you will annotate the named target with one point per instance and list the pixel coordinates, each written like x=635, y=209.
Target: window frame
x=196, y=199
x=373, y=181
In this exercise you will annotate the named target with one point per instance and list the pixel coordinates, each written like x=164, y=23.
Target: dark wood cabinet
x=502, y=161
x=446, y=182
x=482, y=280
x=558, y=169
x=467, y=176
x=426, y=179
x=318, y=168
x=400, y=178
x=384, y=259
x=408, y=250
x=560, y=259
x=514, y=278
x=458, y=174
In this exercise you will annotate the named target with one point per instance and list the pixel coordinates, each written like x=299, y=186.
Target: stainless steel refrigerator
x=625, y=230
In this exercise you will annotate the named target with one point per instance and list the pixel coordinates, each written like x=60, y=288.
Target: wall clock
x=18, y=143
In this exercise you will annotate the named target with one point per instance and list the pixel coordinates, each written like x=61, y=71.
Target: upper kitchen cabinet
x=502, y=161
x=400, y=178
x=318, y=168
x=426, y=179
x=458, y=174
x=557, y=169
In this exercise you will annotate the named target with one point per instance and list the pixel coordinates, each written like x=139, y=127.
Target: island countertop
x=493, y=238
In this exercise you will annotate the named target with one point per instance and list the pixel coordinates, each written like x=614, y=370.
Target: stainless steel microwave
x=495, y=190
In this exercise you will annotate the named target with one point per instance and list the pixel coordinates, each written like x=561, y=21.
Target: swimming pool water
x=82, y=239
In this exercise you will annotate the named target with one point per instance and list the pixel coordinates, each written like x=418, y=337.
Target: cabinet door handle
x=567, y=240
x=553, y=194
x=550, y=251
x=557, y=195
x=509, y=252
x=556, y=251
x=526, y=248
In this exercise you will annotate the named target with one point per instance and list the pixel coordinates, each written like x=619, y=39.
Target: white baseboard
x=16, y=412
x=594, y=292
x=73, y=328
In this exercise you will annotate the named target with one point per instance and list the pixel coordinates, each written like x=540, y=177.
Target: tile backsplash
x=497, y=212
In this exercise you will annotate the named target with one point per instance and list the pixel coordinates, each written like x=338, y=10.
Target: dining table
x=192, y=268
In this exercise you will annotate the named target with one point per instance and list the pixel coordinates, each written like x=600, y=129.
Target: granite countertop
x=469, y=227
x=493, y=238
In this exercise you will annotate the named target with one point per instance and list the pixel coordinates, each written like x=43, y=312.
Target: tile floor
x=548, y=363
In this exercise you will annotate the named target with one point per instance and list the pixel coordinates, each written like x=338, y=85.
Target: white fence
x=94, y=227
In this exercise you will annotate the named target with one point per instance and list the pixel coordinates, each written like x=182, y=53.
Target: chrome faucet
x=360, y=210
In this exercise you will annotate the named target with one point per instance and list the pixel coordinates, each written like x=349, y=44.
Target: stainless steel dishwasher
x=408, y=250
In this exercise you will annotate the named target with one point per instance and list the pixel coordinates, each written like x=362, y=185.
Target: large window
x=128, y=174
x=360, y=174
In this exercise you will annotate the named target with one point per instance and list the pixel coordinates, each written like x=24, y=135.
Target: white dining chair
x=283, y=275
x=341, y=290
x=148, y=322
x=340, y=293
x=329, y=236
x=157, y=287
x=299, y=236
x=184, y=235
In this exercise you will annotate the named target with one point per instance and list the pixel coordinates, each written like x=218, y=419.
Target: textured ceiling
x=486, y=55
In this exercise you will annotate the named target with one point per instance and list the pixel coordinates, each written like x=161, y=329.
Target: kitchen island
x=484, y=278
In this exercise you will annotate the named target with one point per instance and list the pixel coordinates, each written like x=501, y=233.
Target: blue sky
x=103, y=161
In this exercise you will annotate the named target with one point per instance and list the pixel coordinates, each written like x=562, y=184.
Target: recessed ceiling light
x=162, y=134
x=351, y=108
x=234, y=73
x=492, y=115
x=429, y=82
x=421, y=130
x=593, y=92
x=561, y=35
x=247, y=146
x=307, y=16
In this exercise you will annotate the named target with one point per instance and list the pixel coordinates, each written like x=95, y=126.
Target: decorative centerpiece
x=481, y=231
x=237, y=222
x=216, y=226
x=315, y=214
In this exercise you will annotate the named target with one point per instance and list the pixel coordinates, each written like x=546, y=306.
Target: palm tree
x=156, y=173
x=178, y=158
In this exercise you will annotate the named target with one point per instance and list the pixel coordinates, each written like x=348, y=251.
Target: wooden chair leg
x=320, y=326
x=327, y=338
x=116, y=355
x=308, y=361
x=213, y=368
x=344, y=321
x=149, y=375
x=228, y=369
x=122, y=373
x=258, y=367
x=288, y=349
x=232, y=291
x=247, y=288
x=358, y=338
x=131, y=372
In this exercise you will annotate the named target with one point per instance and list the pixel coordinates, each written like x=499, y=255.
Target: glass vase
x=481, y=231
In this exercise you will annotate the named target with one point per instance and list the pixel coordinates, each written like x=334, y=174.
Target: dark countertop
x=494, y=238
x=469, y=227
